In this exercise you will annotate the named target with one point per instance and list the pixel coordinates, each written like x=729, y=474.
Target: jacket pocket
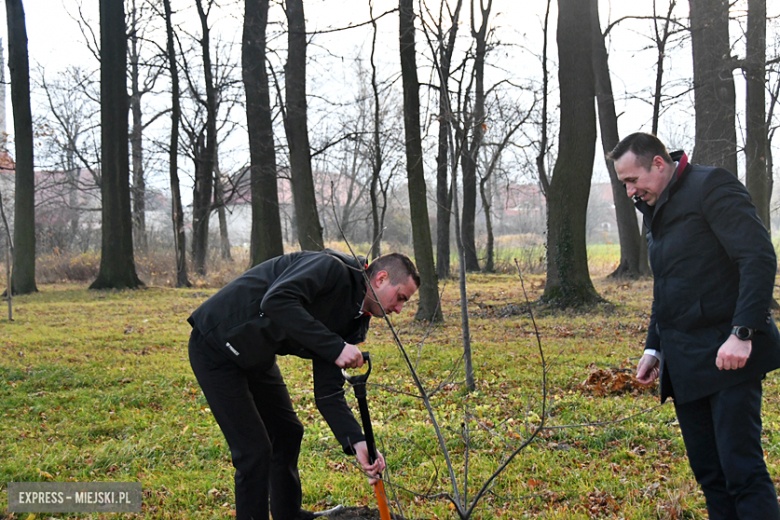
x=247, y=345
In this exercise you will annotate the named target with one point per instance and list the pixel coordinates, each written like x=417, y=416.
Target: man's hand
x=350, y=357
x=734, y=353
x=647, y=369
x=361, y=453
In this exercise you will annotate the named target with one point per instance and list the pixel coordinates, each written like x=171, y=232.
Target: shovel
x=358, y=383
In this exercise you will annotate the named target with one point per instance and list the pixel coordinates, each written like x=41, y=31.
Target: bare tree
x=445, y=41
x=23, y=277
x=713, y=81
x=475, y=126
x=266, y=240
x=296, y=126
x=117, y=265
x=177, y=212
x=139, y=87
x=428, y=308
x=204, y=144
x=632, y=263
x=568, y=279
x=756, y=143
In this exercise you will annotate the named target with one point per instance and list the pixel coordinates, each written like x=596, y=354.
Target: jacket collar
x=356, y=270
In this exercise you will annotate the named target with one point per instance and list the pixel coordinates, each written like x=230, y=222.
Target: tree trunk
x=713, y=82
x=266, y=241
x=471, y=152
x=376, y=155
x=177, y=212
x=756, y=177
x=224, y=237
x=625, y=213
x=117, y=267
x=296, y=127
x=136, y=140
x=443, y=194
x=23, y=278
x=568, y=280
x=204, y=167
x=486, y=205
x=428, y=308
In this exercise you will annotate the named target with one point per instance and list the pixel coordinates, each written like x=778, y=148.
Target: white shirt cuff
x=657, y=354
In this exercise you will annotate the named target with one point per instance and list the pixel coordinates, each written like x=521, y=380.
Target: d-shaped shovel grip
x=358, y=378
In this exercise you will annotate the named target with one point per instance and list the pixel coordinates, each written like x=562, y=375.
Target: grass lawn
x=96, y=386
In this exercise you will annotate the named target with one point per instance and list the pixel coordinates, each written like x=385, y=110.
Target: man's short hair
x=644, y=146
x=399, y=267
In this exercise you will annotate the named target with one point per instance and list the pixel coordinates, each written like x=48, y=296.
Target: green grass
x=96, y=386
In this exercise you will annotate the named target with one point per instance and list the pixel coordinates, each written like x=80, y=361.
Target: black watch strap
x=742, y=332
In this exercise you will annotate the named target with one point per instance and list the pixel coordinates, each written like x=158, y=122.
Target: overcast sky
x=56, y=41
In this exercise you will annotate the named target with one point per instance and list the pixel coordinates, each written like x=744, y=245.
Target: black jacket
x=714, y=267
x=305, y=304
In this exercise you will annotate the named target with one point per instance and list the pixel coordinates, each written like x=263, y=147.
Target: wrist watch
x=743, y=333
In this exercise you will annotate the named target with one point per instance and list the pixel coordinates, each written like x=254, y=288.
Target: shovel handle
x=359, y=378
x=381, y=500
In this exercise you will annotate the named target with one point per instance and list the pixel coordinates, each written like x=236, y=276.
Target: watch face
x=743, y=333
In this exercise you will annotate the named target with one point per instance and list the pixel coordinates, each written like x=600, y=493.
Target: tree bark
x=428, y=308
x=477, y=129
x=23, y=278
x=443, y=194
x=117, y=266
x=204, y=168
x=177, y=212
x=296, y=127
x=266, y=241
x=219, y=201
x=568, y=279
x=713, y=83
x=377, y=160
x=756, y=177
x=625, y=213
x=136, y=139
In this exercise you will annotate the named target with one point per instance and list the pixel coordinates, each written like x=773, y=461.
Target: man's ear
x=380, y=278
x=659, y=162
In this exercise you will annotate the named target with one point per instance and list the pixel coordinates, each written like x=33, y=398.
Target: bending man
x=314, y=305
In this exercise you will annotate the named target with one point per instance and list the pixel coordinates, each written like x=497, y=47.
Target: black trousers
x=722, y=434
x=254, y=411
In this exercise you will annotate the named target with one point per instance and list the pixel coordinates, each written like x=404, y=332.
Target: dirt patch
x=357, y=513
x=360, y=513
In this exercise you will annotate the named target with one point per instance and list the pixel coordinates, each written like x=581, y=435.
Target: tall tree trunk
x=266, y=241
x=136, y=139
x=177, y=212
x=428, y=308
x=568, y=280
x=486, y=193
x=713, y=83
x=219, y=202
x=23, y=278
x=296, y=127
x=376, y=152
x=756, y=177
x=204, y=169
x=117, y=267
x=471, y=152
x=443, y=194
x=625, y=213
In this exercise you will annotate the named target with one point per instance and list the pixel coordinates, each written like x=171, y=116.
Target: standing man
x=314, y=305
x=710, y=329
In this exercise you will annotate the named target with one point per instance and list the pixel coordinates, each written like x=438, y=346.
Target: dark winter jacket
x=305, y=304
x=714, y=267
